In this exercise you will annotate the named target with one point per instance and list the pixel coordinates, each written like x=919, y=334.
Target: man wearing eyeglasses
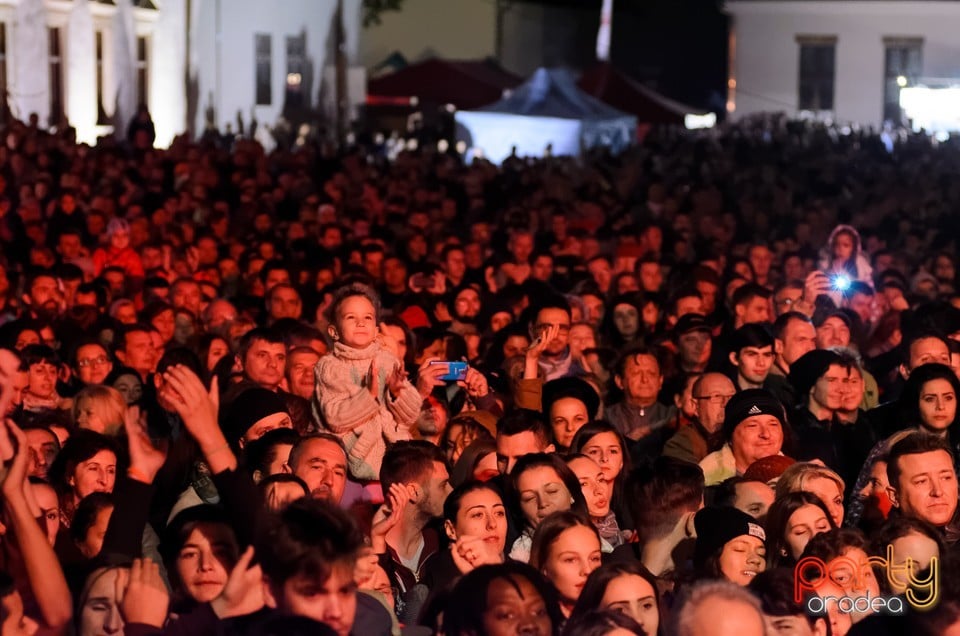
x=711, y=392
x=786, y=296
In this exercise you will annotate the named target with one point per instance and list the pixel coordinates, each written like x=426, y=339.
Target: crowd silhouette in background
x=324, y=391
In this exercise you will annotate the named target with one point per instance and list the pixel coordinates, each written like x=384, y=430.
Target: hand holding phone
x=420, y=282
x=456, y=371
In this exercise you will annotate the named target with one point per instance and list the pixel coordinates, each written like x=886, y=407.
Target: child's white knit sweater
x=363, y=421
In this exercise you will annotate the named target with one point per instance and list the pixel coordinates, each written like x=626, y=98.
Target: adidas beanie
x=748, y=403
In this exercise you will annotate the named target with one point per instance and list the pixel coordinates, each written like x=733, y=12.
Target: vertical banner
x=603, y=35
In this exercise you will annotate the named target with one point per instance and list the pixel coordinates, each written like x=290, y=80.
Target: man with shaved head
x=692, y=443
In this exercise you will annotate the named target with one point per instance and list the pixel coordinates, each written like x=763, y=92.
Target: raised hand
x=428, y=377
x=475, y=383
x=145, y=459
x=198, y=409
x=490, y=276
x=9, y=366
x=545, y=337
x=374, y=380
x=243, y=593
x=15, y=440
x=531, y=365
x=396, y=380
x=7, y=448
x=145, y=599
x=214, y=393
x=366, y=567
x=193, y=403
x=816, y=284
x=439, y=287
x=388, y=516
x=41, y=565
x=193, y=258
x=470, y=552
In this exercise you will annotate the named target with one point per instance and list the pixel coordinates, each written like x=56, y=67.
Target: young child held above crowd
x=362, y=392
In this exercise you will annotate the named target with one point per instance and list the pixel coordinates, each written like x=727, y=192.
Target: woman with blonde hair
x=818, y=480
x=100, y=408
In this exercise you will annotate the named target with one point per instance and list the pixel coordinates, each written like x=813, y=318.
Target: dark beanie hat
x=748, y=403
x=807, y=369
x=570, y=388
x=247, y=409
x=717, y=525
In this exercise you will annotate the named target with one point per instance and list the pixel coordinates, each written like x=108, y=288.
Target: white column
x=167, y=68
x=30, y=92
x=82, y=73
x=125, y=70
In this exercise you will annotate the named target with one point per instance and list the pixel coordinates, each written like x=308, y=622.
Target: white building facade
x=845, y=60
x=93, y=61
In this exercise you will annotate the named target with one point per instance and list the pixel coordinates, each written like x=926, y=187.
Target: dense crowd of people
x=705, y=387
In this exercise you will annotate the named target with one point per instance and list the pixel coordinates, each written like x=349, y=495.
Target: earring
x=335, y=336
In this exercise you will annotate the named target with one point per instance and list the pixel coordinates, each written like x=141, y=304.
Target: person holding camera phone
x=842, y=262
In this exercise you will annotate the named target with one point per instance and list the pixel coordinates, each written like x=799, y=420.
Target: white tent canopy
x=546, y=111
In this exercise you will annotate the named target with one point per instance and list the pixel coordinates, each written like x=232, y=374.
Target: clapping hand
x=243, y=594
x=145, y=459
x=198, y=408
x=145, y=599
x=388, y=516
x=194, y=404
x=396, y=380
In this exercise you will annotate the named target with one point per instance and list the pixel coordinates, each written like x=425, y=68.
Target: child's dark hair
x=307, y=538
x=38, y=353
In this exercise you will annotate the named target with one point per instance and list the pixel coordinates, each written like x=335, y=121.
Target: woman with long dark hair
x=624, y=587
x=541, y=484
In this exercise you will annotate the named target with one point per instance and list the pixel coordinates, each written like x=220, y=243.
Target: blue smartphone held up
x=456, y=371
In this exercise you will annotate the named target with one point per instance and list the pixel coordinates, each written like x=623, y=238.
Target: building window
x=102, y=119
x=56, y=75
x=263, y=63
x=142, y=75
x=817, y=71
x=903, y=64
x=296, y=70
